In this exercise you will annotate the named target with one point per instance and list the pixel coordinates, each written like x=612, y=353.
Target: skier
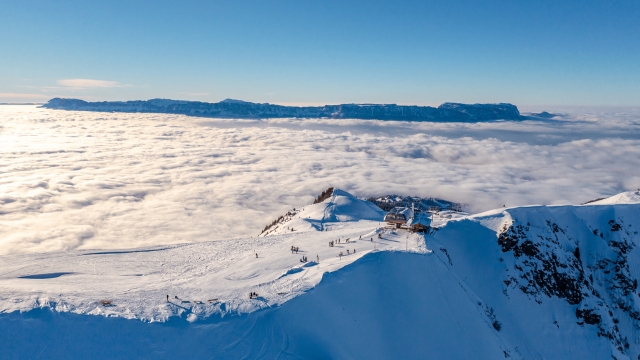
x=167, y=298
x=256, y=255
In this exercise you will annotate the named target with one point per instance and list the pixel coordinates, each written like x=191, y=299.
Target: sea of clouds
x=80, y=180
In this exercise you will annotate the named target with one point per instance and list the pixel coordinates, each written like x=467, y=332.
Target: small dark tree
x=325, y=195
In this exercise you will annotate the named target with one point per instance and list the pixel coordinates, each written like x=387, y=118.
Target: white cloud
x=109, y=180
x=90, y=83
x=23, y=96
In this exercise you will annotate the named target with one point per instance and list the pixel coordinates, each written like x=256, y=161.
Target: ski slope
x=537, y=282
x=138, y=280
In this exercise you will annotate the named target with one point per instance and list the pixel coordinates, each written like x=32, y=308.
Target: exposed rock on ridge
x=548, y=262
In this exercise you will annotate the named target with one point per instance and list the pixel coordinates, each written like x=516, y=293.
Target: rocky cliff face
x=242, y=109
x=578, y=261
x=549, y=262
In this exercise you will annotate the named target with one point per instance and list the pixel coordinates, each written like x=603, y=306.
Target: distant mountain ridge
x=388, y=202
x=241, y=109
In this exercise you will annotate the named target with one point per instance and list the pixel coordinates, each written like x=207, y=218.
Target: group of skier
x=342, y=254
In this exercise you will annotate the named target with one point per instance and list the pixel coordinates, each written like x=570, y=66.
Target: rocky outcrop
x=550, y=264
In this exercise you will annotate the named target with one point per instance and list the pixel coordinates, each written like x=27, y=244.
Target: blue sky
x=304, y=52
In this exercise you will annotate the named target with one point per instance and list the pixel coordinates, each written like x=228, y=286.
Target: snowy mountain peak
x=346, y=207
x=629, y=197
x=340, y=206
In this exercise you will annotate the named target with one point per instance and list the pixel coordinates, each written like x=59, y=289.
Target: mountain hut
x=420, y=222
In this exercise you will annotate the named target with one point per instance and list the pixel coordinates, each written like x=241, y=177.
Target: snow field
x=137, y=281
x=455, y=294
x=374, y=308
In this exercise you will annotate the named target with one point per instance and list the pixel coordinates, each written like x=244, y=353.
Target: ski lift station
x=416, y=220
x=399, y=216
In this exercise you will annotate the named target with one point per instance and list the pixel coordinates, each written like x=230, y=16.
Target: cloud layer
x=102, y=180
x=89, y=83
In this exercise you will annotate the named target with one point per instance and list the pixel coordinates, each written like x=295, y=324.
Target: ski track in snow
x=227, y=270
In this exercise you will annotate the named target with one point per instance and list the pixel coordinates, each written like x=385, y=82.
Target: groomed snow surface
x=401, y=295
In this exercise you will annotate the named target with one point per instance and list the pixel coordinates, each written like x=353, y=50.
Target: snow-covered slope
x=326, y=215
x=629, y=197
x=561, y=276
x=138, y=280
x=376, y=308
x=538, y=282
